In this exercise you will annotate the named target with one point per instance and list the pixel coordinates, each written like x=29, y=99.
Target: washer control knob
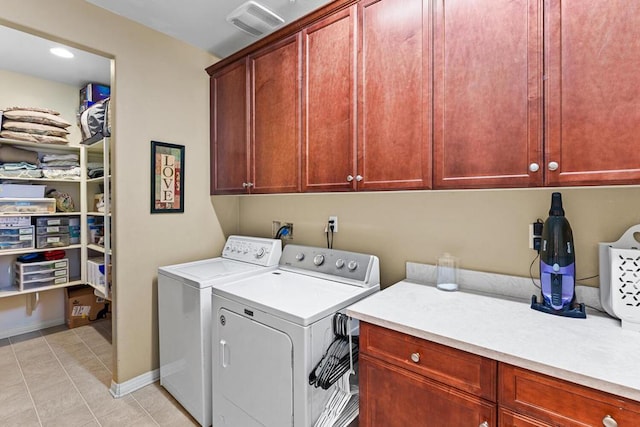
x=299, y=256
x=339, y=263
x=260, y=253
x=318, y=260
x=352, y=265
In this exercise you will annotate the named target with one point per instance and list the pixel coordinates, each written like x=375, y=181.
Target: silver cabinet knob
x=249, y=184
x=359, y=178
x=484, y=424
x=553, y=166
x=415, y=357
x=245, y=184
x=349, y=178
x=609, y=421
x=534, y=167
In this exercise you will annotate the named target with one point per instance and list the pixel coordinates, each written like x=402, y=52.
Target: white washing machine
x=184, y=316
x=270, y=330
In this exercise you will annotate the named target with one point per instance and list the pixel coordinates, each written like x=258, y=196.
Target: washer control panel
x=352, y=267
x=255, y=250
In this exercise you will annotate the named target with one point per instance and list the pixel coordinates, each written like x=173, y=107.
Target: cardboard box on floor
x=82, y=306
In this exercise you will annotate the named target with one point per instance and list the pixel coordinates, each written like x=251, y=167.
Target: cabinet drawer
x=506, y=418
x=465, y=371
x=561, y=403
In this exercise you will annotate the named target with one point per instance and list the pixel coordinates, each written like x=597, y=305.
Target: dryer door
x=256, y=374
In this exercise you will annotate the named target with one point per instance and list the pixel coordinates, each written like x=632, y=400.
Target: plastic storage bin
x=38, y=274
x=27, y=206
x=13, y=238
x=52, y=229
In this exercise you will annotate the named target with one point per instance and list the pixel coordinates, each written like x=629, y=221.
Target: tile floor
x=61, y=377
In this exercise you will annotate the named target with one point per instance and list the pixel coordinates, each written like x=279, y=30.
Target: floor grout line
x=24, y=380
x=92, y=352
x=71, y=379
x=144, y=409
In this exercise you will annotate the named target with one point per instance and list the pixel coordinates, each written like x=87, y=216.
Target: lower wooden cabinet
x=554, y=402
x=409, y=381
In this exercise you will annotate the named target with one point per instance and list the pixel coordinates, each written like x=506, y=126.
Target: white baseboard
x=32, y=327
x=122, y=389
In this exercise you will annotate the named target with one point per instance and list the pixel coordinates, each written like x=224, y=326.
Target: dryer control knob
x=339, y=263
x=318, y=259
x=299, y=256
x=352, y=265
x=260, y=253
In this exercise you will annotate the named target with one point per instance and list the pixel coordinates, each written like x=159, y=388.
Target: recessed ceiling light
x=61, y=52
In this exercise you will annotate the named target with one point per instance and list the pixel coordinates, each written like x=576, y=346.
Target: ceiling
x=202, y=23
x=28, y=54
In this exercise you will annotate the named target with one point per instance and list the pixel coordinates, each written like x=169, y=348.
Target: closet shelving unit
x=82, y=191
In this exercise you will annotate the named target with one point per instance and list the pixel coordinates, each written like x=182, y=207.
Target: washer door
x=256, y=373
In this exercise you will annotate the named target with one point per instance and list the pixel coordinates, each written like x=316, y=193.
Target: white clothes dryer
x=271, y=329
x=184, y=316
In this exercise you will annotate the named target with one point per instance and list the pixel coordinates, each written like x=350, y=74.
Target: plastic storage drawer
x=52, y=241
x=52, y=221
x=52, y=229
x=39, y=283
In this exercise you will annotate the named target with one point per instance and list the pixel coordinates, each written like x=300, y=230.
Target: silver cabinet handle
x=415, y=357
x=359, y=178
x=553, y=166
x=609, y=421
x=349, y=178
x=534, y=167
x=484, y=424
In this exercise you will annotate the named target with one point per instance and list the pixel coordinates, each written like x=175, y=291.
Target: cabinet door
x=394, y=95
x=593, y=99
x=391, y=396
x=229, y=129
x=329, y=103
x=276, y=117
x=488, y=93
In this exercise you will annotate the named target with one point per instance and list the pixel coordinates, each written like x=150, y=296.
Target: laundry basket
x=620, y=278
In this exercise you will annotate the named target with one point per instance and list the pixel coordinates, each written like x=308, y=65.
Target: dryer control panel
x=255, y=250
x=349, y=267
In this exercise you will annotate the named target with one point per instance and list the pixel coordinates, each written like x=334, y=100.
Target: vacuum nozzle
x=556, y=205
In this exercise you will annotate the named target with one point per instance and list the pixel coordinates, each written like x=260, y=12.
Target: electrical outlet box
x=335, y=223
x=276, y=225
x=535, y=236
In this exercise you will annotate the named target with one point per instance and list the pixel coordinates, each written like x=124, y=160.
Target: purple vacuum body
x=558, y=265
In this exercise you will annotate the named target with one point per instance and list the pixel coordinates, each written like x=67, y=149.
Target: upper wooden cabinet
x=329, y=149
x=488, y=93
x=230, y=129
x=276, y=117
x=593, y=92
x=366, y=125
x=394, y=95
x=415, y=94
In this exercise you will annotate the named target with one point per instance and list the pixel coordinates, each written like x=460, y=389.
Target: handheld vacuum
x=558, y=266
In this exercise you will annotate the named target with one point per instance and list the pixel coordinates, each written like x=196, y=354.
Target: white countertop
x=595, y=352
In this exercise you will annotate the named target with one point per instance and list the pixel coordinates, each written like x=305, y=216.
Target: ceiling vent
x=254, y=19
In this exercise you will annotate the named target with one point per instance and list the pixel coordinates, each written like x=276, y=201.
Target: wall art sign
x=167, y=177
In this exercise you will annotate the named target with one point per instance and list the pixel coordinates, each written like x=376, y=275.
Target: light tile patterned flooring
x=61, y=377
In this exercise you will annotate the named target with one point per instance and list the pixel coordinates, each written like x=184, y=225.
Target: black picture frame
x=167, y=177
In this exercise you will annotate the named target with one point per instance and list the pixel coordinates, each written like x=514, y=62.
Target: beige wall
x=160, y=92
x=487, y=229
